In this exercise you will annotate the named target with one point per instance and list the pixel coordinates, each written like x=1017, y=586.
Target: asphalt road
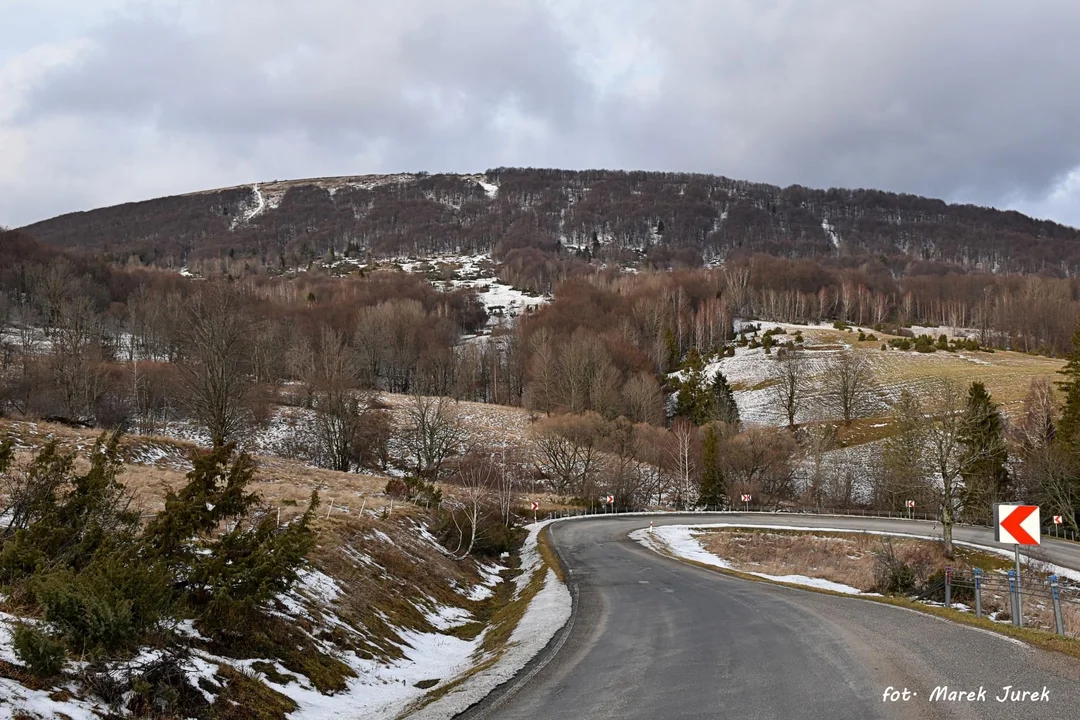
x=655, y=638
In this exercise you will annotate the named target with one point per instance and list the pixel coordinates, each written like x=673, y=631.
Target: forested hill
x=667, y=218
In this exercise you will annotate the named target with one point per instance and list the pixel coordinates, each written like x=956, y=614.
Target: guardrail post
x=1058, y=620
x=948, y=587
x=978, y=592
x=1013, y=591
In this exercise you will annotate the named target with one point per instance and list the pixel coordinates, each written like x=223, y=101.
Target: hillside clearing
x=1007, y=375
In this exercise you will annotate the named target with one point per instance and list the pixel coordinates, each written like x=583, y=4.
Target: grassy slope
x=1007, y=375
x=390, y=577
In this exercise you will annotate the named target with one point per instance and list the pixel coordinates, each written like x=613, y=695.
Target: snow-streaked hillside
x=1007, y=375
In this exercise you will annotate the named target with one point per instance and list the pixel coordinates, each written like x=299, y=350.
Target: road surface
x=655, y=638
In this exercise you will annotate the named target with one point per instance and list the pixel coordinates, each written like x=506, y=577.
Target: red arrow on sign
x=535, y=505
x=1057, y=519
x=1011, y=524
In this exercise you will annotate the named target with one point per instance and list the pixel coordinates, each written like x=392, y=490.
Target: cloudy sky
x=105, y=101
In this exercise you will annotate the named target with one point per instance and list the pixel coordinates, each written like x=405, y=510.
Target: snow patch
x=681, y=541
x=548, y=611
x=831, y=232
x=1059, y=570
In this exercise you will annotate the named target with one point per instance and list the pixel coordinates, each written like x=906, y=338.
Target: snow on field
x=947, y=330
x=22, y=702
x=685, y=545
x=502, y=300
x=843, y=465
x=750, y=374
x=478, y=272
x=250, y=210
x=680, y=540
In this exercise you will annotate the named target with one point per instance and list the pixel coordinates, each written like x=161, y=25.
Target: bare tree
x=542, y=371
x=789, y=377
x=683, y=437
x=337, y=408
x=475, y=477
x=643, y=400
x=585, y=378
x=1036, y=428
x=432, y=432
x=905, y=472
x=759, y=462
x=568, y=452
x=214, y=330
x=848, y=379
x=623, y=473
x=507, y=481
x=77, y=356
x=819, y=441
x=1045, y=470
x=653, y=445
x=948, y=456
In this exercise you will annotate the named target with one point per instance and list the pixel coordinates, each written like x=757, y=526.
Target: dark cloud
x=966, y=100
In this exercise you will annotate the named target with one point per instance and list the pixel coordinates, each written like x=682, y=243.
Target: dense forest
x=661, y=219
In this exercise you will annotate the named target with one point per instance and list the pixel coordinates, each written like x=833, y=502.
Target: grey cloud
x=967, y=100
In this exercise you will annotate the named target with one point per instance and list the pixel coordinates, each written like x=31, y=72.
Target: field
x=1007, y=375
x=853, y=559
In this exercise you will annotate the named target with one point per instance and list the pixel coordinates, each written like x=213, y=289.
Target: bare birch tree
x=683, y=435
x=475, y=478
x=948, y=456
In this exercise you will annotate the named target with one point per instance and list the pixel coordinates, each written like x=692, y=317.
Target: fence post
x=978, y=592
x=1013, y=590
x=1058, y=620
x=948, y=587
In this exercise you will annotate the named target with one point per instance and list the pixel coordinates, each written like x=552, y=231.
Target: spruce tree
x=724, y=407
x=695, y=400
x=1069, y=426
x=982, y=436
x=712, y=476
x=673, y=354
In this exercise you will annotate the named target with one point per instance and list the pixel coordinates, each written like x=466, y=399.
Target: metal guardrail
x=1034, y=586
x=1048, y=532
x=750, y=508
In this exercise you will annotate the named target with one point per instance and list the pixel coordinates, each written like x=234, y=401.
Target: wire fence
x=1031, y=599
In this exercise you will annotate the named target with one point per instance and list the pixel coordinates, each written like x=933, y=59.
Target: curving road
x=655, y=638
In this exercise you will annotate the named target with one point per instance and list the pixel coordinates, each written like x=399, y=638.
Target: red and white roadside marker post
x=910, y=504
x=535, y=507
x=1017, y=525
x=1057, y=525
x=746, y=502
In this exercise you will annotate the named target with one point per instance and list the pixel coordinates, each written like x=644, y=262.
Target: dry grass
x=492, y=424
x=400, y=576
x=847, y=558
x=1007, y=375
x=282, y=483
